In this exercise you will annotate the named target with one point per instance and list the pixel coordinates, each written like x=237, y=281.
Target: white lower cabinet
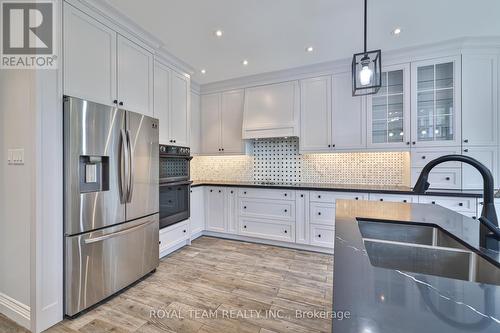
x=302, y=217
x=268, y=229
x=173, y=237
x=322, y=213
x=322, y=235
x=393, y=198
x=267, y=209
x=232, y=210
x=197, y=210
x=215, y=206
x=464, y=206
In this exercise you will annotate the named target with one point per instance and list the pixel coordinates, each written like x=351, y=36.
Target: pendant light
x=366, y=69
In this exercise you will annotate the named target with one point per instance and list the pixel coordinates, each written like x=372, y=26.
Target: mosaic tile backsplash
x=278, y=160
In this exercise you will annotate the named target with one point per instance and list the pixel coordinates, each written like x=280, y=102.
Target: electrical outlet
x=15, y=156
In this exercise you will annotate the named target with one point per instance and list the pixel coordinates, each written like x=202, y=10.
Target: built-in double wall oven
x=175, y=185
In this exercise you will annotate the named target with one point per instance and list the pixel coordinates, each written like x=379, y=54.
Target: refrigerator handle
x=124, y=167
x=131, y=176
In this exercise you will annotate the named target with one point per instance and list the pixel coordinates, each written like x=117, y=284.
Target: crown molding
x=124, y=25
x=390, y=57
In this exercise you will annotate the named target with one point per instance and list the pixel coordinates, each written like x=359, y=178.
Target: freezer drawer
x=100, y=263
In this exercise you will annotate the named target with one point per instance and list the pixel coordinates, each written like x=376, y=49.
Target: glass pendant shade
x=366, y=73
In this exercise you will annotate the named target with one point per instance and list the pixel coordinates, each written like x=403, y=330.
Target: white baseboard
x=15, y=310
x=174, y=248
x=296, y=246
x=196, y=233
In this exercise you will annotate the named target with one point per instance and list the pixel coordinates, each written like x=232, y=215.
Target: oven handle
x=189, y=158
x=184, y=182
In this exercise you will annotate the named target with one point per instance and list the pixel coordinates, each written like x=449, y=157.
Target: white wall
x=17, y=192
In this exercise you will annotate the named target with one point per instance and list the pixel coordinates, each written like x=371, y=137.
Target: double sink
x=425, y=250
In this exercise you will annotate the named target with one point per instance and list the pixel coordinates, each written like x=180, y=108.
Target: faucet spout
x=488, y=219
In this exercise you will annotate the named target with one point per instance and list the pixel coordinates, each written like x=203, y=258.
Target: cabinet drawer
x=260, y=193
x=453, y=203
x=322, y=235
x=444, y=178
x=420, y=157
x=272, y=209
x=322, y=213
x=171, y=236
x=331, y=197
x=267, y=229
x=393, y=197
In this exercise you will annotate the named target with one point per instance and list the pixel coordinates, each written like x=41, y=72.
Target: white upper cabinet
x=162, y=100
x=179, y=110
x=348, y=115
x=221, y=123
x=388, y=118
x=135, y=77
x=231, y=122
x=271, y=111
x=315, y=114
x=171, y=105
x=480, y=100
x=210, y=123
x=89, y=58
x=435, y=102
x=195, y=140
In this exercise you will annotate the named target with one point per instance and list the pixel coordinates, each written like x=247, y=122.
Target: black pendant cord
x=366, y=1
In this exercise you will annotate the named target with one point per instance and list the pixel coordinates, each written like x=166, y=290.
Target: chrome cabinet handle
x=124, y=167
x=132, y=172
x=114, y=234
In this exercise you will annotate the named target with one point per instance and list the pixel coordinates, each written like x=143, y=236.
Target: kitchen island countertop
x=390, y=300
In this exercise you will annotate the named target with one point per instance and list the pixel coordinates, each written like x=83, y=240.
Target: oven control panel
x=174, y=150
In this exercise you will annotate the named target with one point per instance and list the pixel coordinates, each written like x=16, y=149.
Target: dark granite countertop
x=388, y=299
x=387, y=189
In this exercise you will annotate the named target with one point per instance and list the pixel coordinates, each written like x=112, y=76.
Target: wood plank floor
x=219, y=286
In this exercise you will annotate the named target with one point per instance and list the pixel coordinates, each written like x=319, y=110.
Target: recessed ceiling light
x=396, y=31
x=310, y=49
x=245, y=62
x=218, y=33
x=203, y=71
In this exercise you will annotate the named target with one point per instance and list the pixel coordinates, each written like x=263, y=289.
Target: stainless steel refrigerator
x=111, y=220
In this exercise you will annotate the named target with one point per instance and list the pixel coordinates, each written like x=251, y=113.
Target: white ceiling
x=273, y=34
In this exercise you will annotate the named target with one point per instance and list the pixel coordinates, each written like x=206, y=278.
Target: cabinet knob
x=460, y=204
x=286, y=210
x=286, y=231
x=434, y=202
x=381, y=199
x=285, y=194
x=405, y=200
x=407, y=143
x=211, y=190
x=301, y=195
x=159, y=242
x=357, y=198
x=413, y=143
x=447, y=178
x=466, y=150
x=191, y=191
x=121, y=103
x=423, y=157
x=329, y=146
x=220, y=191
x=231, y=192
x=245, y=226
x=244, y=207
x=222, y=149
x=319, y=236
x=245, y=192
x=466, y=140
x=115, y=101
x=184, y=230
x=319, y=213
x=333, y=145
x=319, y=196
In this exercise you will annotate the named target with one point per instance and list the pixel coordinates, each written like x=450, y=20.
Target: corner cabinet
x=221, y=123
x=171, y=105
x=388, y=111
x=272, y=111
x=113, y=70
x=436, y=116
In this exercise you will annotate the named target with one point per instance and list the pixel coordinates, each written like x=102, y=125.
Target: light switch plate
x=15, y=156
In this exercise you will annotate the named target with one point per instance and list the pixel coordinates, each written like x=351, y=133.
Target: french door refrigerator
x=111, y=220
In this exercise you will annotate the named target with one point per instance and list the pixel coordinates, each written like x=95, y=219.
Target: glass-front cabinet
x=436, y=111
x=389, y=110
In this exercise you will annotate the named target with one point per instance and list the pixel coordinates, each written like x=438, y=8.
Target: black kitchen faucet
x=489, y=233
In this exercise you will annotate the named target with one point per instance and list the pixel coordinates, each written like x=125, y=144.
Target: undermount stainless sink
x=424, y=250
